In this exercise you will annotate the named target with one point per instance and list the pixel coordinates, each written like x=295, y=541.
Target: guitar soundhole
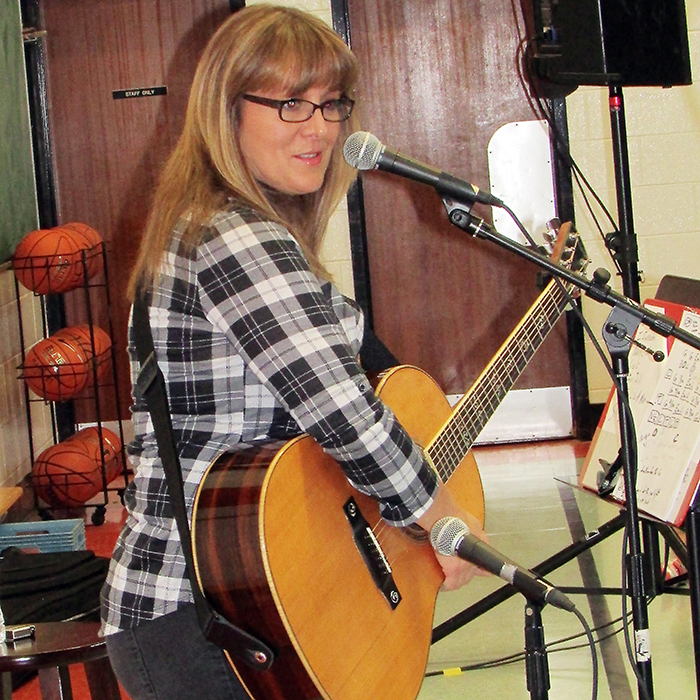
x=372, y=554
x=416, y=533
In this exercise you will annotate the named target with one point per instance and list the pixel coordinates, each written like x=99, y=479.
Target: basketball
x=110, y=447
x=90, y=241
x=48, y=261
x=55, y=369
x=67, y=474
x=102, y=347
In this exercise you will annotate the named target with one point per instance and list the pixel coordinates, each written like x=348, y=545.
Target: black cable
x=561, y=149
x=594, y=655
x=520, y=656
x=628, y=642
x=551, y=647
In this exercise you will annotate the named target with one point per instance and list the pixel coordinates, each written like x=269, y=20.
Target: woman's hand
x=458, y=572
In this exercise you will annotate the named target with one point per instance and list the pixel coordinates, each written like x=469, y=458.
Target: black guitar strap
x=151, y=386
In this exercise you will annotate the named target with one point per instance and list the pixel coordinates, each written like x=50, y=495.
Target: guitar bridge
x=371, y=551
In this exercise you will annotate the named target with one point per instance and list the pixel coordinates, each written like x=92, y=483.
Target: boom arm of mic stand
x=597, y=288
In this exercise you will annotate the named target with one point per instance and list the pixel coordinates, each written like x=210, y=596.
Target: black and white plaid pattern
x=251, y=346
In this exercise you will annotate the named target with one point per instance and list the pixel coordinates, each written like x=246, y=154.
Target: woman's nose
x=317, y=125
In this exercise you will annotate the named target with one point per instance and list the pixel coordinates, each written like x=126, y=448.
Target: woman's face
x=289, y=157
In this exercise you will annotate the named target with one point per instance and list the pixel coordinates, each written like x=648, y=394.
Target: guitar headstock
x=564, y=246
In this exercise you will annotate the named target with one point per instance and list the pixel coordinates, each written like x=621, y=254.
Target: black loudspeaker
x=610, y=42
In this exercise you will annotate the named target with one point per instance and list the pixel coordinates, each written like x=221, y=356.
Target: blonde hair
x=259, y=47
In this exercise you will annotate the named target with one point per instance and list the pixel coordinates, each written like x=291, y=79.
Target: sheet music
x=665, y=402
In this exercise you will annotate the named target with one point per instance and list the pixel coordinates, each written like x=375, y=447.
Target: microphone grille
x=446, y=534
x=362, y=150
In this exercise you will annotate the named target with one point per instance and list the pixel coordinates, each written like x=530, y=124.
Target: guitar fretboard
x=452, y=443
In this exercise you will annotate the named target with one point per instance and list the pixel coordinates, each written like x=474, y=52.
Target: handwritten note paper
x=665, y=402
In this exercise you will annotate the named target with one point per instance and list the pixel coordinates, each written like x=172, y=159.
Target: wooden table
x=55, y=646
x=8, y=496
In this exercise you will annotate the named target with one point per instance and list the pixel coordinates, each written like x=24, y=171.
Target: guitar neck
x=452, y=443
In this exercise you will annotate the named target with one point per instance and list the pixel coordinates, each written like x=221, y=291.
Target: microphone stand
x=617, y=333
x=536, y=664
x=625, y=317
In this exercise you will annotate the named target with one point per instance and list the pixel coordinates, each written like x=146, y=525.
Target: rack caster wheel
x=98, y=516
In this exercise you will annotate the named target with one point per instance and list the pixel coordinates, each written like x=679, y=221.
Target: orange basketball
x=48, y=261
x=55, y=369
x=90, y=241
x=109, y=448
x=67, y=474
x=100, y=355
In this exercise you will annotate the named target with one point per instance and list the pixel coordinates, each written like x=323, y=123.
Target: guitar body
x=276, y=555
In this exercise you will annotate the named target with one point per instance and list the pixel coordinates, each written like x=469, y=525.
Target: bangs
x=299, y=57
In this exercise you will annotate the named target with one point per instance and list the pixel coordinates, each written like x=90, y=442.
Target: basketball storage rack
x=101, y=387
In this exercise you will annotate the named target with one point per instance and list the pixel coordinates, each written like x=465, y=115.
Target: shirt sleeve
x=257, y=289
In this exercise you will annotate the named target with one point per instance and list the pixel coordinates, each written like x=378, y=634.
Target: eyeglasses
x=296, y=110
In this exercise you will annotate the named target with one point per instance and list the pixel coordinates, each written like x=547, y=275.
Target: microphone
x=451, y=537
x=365, y=151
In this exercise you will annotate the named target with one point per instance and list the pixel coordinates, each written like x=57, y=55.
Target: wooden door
x=438, y=79
x=109, y=140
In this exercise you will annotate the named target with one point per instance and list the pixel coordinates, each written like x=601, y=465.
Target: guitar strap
x=150, y=385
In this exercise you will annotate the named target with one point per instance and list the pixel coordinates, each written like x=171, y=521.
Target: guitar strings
x=446, y=444
x=452, y=445
x=449, y=449
x=488, y=392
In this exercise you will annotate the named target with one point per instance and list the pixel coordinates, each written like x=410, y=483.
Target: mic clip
x=619, y=331
x=460, y=215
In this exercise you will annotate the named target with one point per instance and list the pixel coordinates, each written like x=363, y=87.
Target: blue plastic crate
x=44, y=536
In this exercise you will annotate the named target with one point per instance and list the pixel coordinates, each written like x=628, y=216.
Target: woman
x=252, y=339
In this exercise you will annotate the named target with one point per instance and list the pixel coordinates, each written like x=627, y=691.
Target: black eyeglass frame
x=279, y=106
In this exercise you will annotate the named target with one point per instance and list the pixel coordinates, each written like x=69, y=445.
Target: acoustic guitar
x=287, y=550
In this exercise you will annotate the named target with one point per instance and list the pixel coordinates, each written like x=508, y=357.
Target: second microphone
x=451, y=537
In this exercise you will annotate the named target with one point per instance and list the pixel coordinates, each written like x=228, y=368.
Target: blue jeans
x=168, y=658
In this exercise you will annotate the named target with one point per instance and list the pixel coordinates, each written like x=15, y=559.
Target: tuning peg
x=552, y=229
x=567, y=253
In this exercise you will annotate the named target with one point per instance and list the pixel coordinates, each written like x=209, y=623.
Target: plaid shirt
x=251, y=346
